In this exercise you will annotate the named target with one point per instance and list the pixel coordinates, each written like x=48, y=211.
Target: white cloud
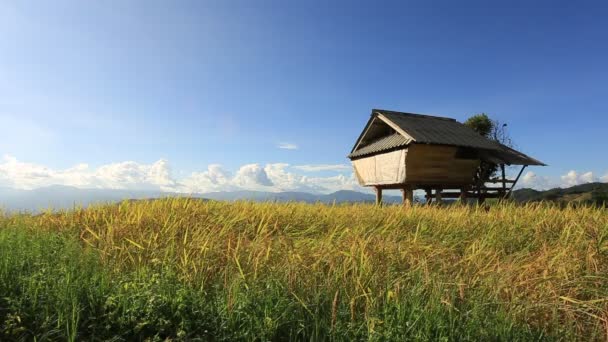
x=287, y=146
x=125, y=175
x=252, y=176
x=132, y=175
x=158, y=176
x=588, y=178
x=572, y=178
x=335, y=183
x=214, y=179
x=287, y=181
x=323, y=167
x=534, y=181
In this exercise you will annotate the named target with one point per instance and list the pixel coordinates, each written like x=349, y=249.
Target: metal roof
x=382, y=144
x=509, y=156
x=426, y=129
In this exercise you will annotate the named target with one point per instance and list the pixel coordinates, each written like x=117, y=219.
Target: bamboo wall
x=417, y=165
x=381, y=169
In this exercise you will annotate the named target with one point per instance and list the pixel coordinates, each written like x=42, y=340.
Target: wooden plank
x=448, y=195
x=492, y=188
x=497, y=180
x=467, y=195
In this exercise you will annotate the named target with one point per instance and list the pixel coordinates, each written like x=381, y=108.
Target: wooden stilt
x=378, y=195
x=438, y=197
x=463, y=195
x=429, y=196
x=408, y=197
x=504, y=179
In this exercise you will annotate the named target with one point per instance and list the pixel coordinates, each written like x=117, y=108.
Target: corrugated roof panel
x=508, y=156
x=436, y=130
x=383, y=144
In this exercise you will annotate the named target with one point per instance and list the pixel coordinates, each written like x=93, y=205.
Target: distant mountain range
x=66, y=197
x=342, y=196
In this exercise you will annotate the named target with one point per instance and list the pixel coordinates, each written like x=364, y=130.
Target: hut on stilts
x=439, y=155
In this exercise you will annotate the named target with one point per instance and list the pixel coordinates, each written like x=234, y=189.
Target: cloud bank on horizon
x=572, y=178
x=270, y=177
x=159, y=176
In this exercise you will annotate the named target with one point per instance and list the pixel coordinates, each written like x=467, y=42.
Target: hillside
x=591, y=193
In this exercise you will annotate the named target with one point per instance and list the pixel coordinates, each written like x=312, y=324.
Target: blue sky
x=199, y=83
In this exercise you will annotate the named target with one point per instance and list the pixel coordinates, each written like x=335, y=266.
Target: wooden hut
x=412, y=151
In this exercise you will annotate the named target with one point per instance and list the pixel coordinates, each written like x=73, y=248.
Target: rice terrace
x=185, y=269
x=303, y=171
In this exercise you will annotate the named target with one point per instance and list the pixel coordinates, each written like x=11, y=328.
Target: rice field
x=185, y=269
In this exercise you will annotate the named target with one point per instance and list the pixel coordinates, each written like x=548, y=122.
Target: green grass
x=179, y=269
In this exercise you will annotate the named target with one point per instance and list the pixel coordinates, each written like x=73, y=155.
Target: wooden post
x=438, y=197
x=463, y=195
x=504, y=181
x=408, y=197
x=429, y=196
x=378, y=195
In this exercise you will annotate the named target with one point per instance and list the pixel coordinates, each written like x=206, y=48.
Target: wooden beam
x=415, y=185
x=429, y=196
x=496, y=180
x=378, y=195
x=369, y=124
x=448, y=195
x=492, y=188
x=508, y=194
x=395, y=127
x=467, y=194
